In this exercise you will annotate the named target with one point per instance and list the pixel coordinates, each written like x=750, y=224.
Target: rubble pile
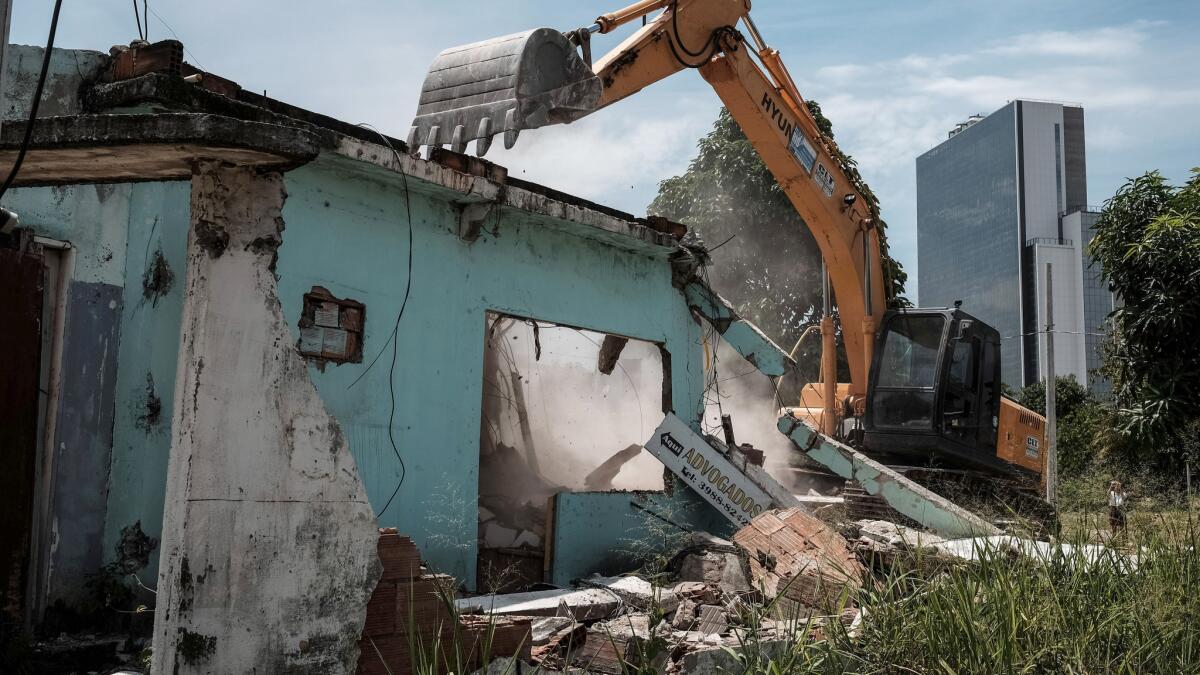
x=409, y=620
x=782, y=577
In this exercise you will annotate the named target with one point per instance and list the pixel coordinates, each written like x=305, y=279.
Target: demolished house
x=259, y=333
x=314, y=400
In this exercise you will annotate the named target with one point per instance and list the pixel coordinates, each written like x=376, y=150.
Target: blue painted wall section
x=145, y=390
x=84, y=435
x=742, y=335
x=350, y=235
x=346, y=228
x=615, y=532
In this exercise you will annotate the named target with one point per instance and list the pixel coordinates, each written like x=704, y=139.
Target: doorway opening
x=564, y=410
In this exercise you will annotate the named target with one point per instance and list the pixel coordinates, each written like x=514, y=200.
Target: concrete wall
x=349, y=233
x=1045, y=168
x=614, y=532
x=1070, y=355
x=68, y=69
x=93, y=219
x=269, y=543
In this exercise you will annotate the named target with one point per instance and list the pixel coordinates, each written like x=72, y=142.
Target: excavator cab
x=934, y=389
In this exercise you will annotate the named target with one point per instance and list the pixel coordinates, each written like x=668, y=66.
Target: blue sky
x=893, y=76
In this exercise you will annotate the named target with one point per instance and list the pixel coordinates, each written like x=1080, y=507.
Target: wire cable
x=138, y=19
x=705, y=53
x=393, y=338
x=33, y=105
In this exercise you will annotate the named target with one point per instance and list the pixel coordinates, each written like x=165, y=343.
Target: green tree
x=1147, y=243
x=765, y=260
x=1069, y=396
x=1080, y=421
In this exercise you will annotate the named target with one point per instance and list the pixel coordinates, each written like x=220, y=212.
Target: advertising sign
x=707, y=471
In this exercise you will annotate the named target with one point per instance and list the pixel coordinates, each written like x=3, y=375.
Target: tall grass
x=1071, y=612
x=1131, y=608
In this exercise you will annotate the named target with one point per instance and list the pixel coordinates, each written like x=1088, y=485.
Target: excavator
x=924, y=383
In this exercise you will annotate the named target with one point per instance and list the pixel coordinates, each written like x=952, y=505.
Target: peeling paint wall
x=268, y=551
x=60, y=96
x=349, y=234
x=346, y=231
x=145, y=378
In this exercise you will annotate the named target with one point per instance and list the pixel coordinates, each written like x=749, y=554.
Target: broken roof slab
x=137, y=148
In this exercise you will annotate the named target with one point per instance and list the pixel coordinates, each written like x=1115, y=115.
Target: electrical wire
x=393, y=338
x=175, y=35
x=138, y=19
x=33, y=105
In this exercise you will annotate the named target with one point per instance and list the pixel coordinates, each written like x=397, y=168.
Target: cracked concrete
x=269, y=543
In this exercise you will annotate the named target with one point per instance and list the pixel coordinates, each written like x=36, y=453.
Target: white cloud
x=612, y=159
x=1108, y=42
x=887, y=113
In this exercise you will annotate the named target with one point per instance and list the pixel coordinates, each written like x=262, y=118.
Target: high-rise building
x=999, y=202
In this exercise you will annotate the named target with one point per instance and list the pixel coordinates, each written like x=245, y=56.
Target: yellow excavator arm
x=536, y=78
x=543, y=76
x=763, y=99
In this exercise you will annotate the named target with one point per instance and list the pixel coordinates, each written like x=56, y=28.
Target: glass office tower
x=999, y=202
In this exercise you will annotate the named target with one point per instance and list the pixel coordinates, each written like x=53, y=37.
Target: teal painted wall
x=614, y=532
x=158, y=224
x=350, y=235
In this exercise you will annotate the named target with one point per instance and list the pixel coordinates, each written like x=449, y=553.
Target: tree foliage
x=765, y=260
x=1147, y=242
x=1080, y=419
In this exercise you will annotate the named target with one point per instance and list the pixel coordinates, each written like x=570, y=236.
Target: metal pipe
x=754, y=34
x=612, y=20
x=828, y=357
x=805, y=334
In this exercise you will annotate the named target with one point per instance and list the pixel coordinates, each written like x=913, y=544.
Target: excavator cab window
x=934, y=387
x=905, y=393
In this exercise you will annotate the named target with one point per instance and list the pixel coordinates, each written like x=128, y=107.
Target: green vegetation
x=767, y=262
x=1148, y=245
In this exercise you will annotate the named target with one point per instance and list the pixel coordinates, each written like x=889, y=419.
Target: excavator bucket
x=503, y=85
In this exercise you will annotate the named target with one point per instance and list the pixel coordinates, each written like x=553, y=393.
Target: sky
x=893, y=76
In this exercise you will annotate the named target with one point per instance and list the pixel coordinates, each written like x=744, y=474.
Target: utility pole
x=1051, y=384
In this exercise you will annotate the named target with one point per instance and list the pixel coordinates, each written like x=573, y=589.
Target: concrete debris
x=724, y=570
x=546, y=630
x=611, y=646
x=588, y=604
x=892, y=534
x=973, y=548
x=718, y=659
x=801, y=558
x=636, y=592
x=712, y=620
x=685, y=615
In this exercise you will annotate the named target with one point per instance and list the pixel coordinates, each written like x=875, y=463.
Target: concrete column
x=268, y=545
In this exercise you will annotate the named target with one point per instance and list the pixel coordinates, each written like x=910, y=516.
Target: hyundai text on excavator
x=924, y=383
